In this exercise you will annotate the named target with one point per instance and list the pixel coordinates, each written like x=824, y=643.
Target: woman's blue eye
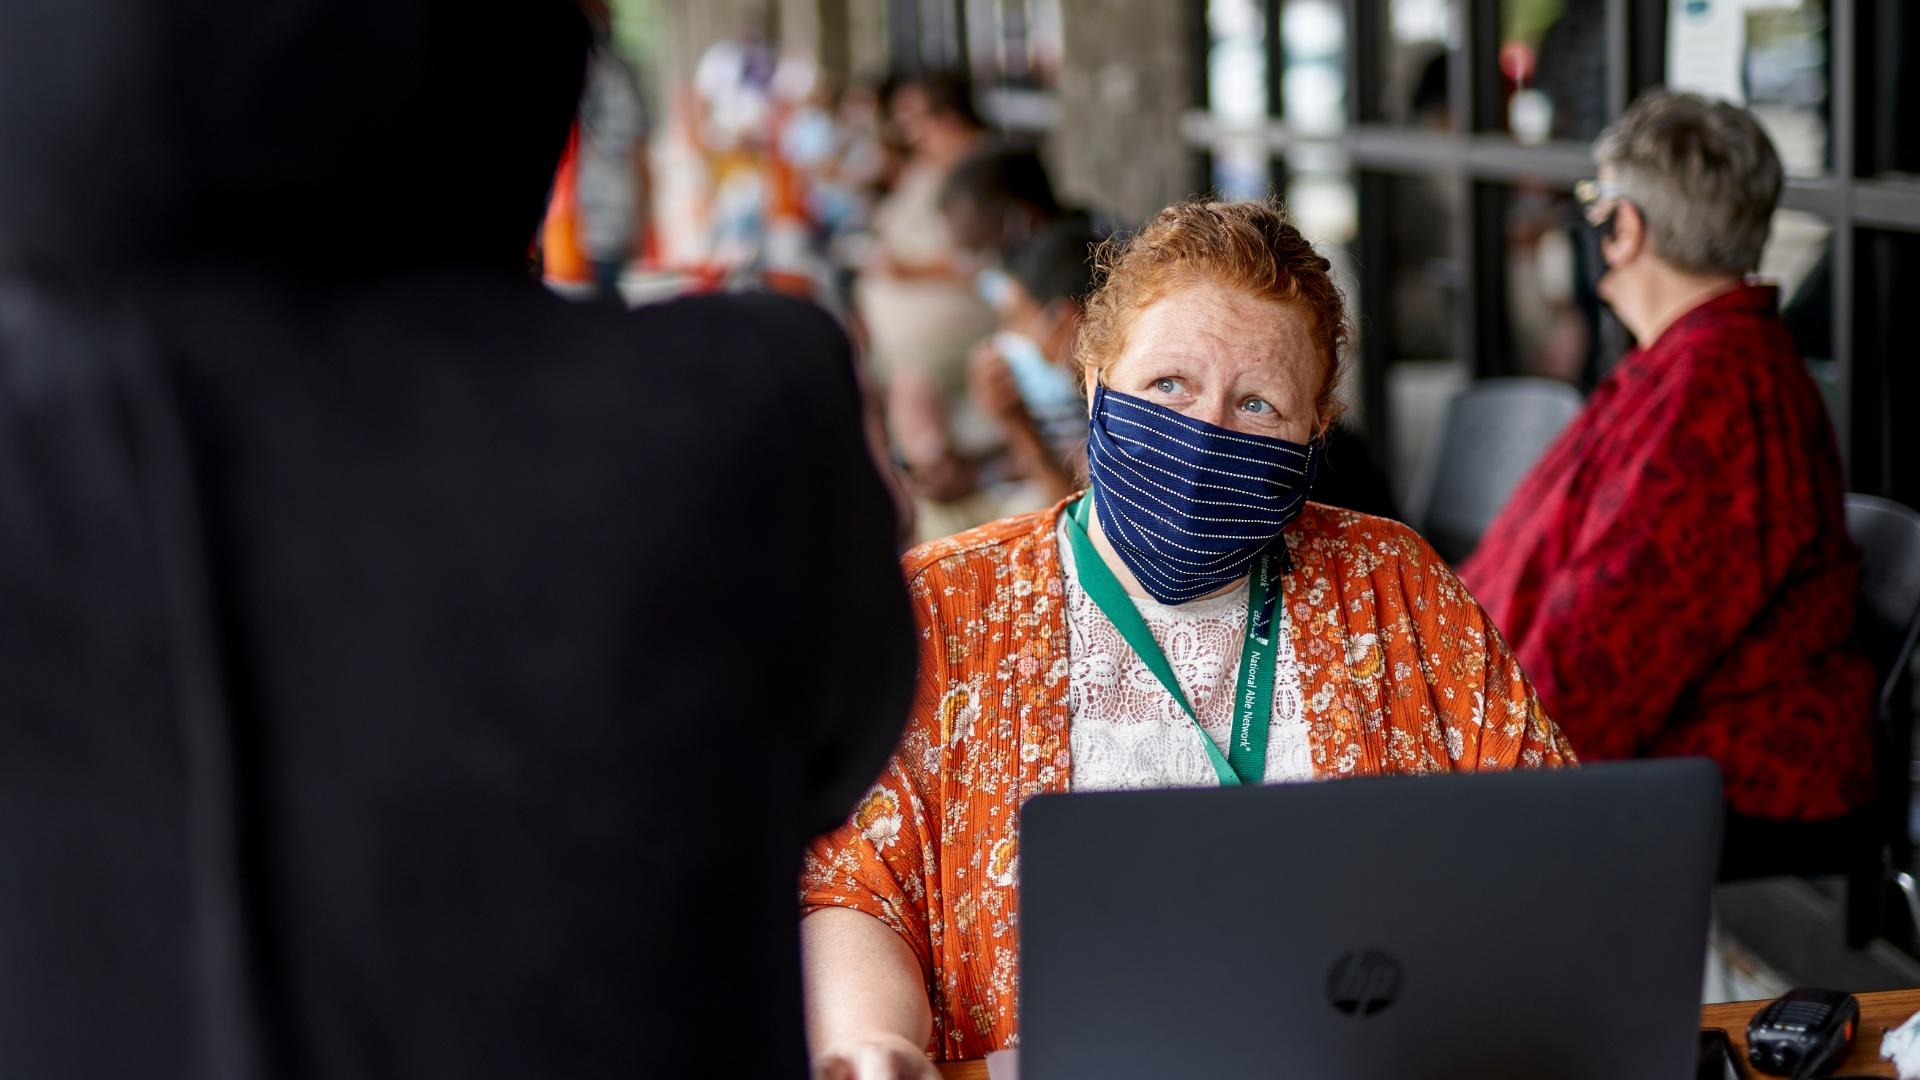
x=1167, y=386
x=1256, y=405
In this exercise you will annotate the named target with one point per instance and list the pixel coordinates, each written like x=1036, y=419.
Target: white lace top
x=1128, y=732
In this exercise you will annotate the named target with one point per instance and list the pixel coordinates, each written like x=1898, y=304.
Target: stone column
x=798, y=27
x=1128, y=78
x=867, y=59
x=853, y=40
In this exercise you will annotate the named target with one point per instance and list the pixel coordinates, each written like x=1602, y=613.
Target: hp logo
x=1364, y=982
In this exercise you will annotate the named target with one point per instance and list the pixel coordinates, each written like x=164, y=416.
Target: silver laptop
x=1528, y=924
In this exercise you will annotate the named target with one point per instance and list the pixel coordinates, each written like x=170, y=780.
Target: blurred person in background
x=994, y=201
x=370, y=666
x=861, y=162
x=1024, y=377
x=1097, y=645
x=1675, y=574
x=728, y=119
x=917, y=301
x=734, y=78
x=812, y=143
x=844, y=177
x=613, y=180
x=997, y=197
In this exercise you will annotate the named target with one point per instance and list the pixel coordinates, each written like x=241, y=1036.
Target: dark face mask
x=1604, y=229
x=1189, y=506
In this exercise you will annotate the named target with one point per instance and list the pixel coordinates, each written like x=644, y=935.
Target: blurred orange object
x=563, y=261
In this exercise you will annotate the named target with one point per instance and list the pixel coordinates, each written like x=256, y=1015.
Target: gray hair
x=1702, y=172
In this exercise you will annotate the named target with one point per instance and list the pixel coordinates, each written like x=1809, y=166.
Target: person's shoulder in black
x=405, y=672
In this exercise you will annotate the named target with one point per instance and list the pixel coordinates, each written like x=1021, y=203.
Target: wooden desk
x=1878, y=1013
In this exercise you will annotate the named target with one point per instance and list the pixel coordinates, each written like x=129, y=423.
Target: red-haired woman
x=1096, y=645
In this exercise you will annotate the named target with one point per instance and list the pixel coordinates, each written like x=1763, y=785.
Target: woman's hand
x=881, y=1057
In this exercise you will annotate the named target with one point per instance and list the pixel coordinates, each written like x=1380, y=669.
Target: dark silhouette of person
x=403, y=672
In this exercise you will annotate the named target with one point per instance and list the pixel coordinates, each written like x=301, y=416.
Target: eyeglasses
x=1588, y=192
x=1591, y=193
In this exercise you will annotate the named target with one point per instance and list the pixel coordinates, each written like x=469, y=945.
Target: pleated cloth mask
x=1187, y=505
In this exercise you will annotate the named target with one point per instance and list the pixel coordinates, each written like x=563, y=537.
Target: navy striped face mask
x=1190, y=506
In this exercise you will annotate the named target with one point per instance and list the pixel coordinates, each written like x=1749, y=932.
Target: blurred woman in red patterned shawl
x=1675, y=573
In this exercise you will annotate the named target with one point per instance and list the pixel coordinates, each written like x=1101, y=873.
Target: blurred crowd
x=942, y=244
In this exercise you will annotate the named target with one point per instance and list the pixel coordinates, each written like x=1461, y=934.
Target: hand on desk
x=882, y=1057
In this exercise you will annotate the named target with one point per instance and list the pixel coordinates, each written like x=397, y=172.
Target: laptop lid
x=1524, y=924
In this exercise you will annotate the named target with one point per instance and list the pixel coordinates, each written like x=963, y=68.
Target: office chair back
x=1887, y=622
x=1870, y=846
x=1494, y=431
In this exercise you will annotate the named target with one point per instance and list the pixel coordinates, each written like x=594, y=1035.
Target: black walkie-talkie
x=1804, y=1033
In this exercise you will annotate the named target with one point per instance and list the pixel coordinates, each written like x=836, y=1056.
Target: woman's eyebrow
x=1266, y=384
x=1170, y=352
x=1160, y=367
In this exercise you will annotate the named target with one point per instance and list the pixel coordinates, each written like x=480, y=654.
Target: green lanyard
x=1246, y=761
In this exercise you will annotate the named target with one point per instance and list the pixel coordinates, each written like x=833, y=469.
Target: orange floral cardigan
x=1400, y=670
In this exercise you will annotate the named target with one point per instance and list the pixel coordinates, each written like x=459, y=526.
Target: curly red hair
x=1250, y=246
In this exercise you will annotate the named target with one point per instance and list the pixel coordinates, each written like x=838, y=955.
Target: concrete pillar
x=867, y=59
x=798, y=25
x=853, y=40
x=833, y=40
x=1128, y=78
